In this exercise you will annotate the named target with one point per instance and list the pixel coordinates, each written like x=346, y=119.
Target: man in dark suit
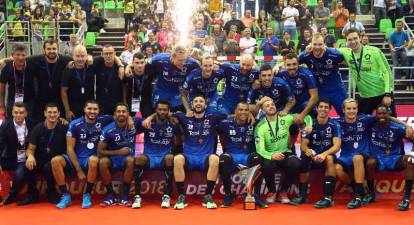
x=13, y=141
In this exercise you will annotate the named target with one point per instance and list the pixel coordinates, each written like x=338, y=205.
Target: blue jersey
x=200, y=135
x=388, y=140
x=168, y=77
x=237, y=84
x=87, y=135
x=321, y=137
x=196, y=85
x=300, y=84
x=116, y=138
x=355, y=136
x=159, y=139
x=239, y=139
x=325, y=69
x=279, y=91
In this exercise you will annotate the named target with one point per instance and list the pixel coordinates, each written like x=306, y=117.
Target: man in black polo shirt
x=18, y=75
x=47, y=139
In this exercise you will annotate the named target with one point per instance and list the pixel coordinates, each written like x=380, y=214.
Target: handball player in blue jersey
x=386, y=140
x=237, y=139
x=82, y=141
x=273, y=87
x=116, y=150
x=324, y=64
x=159, y=143
x=303, y=85
x=318, y=151
x=203, y=81
x=239, y=80
x=170, y=72
x=199, y=150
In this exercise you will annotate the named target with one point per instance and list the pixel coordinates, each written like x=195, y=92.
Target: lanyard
x=359, y=65
x=51, y=74
x=141, y=84
x=15, y=78
x=82, y=77
x=273, y=134
x=50, y=138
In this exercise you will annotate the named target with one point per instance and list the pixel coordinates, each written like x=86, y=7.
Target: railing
x=3, y=52
x=406, y=27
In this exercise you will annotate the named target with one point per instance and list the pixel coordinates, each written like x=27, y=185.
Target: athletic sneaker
x=209, y=202
x=355, y=203
x=86, y=201
x=124, y=200
x=165, y=201
x=299, y=200
x=369, y=198
x=326, y=202
x=404, y=204
x=270, y=197
x=65, y=201
x=259, y=202
x=283, y=198
x=227, y=201
x=181, y=202
x=109, y=200
x=137, y=202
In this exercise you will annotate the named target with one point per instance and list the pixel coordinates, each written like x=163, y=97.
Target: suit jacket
x=9, y=141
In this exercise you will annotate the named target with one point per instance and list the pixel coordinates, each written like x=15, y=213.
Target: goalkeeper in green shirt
x=272, y=139
x=370, y=72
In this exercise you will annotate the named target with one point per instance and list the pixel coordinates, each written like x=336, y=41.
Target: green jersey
x=374, y=77
x=273, y=136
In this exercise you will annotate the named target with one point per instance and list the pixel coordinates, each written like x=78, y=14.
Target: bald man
x=78, y=84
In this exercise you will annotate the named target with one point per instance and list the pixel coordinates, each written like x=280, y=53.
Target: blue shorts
x=118, y=162
x=239, y=159
x=196, y=162
x=346, y=160
x=83, y=162
x=336, y=98
x=225, y=107
x=389, y=162
x=155, y=162
x=174, y=98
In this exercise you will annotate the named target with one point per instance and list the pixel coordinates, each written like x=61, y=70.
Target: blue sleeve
x=288, y=90
x=340, y=56
x=337, y=131
x=369, y=119
x=218, y=117
x=263, y=41
x=226, y=67
x=275, y=41
x=309, y=78
x=71, y=132
x=188, y=81
x=391, y=39
x=104, y=136
x=401, y=130
x=193, y=64
x=406, y=38
x=251, y=97
x=301, y=58
x=180, y=116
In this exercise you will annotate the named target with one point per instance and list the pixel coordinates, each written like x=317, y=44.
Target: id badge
x=18, y=97
x=135, y=104
x=82, y=90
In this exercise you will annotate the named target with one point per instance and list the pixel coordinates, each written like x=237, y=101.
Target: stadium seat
x=388, y=32
x=19, y=4
x=331, y=22
x=384, y=25
x=313, y=3
x=340, y=43
x=90, y=39
x=10, y=5
x=120, y=5
x=11, y=17
x=110, y=5
x=100, y=5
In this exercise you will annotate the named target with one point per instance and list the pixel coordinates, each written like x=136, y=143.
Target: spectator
x=409, y=8
x=392, y=10
x=226, y=16
x=340, y=15
x=251, y=6
x=234, y=21
x=305, y=17
x=68, y=4
x=131, y=37
x=160, y=9
x=149, y=52
x=127, y=55
x=248, y=20
x=247, y=44
x=70, y=45
x=129, y=11
x=289, y=17
x=27, y=7
x=65, y=23
x=18, y=29
x=398, y=43
x=277, y=17
x=237, y=36
x=269, y=45
x=364, y=39
x=410, y=60
x=79, y=17
x=96, y=21
x=330, y=40
x=231, y=46
x=321, y=15
x=261, y=24
x=209, y=48
x=219, y=38
x=380, y=10
x=353, y=24
x=217, y=19
x=152, y=43
x=304, y=40
x=162, y=36
x=199, y=34
x=286, y=45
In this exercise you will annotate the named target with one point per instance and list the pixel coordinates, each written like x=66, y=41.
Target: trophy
x=249, y=176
